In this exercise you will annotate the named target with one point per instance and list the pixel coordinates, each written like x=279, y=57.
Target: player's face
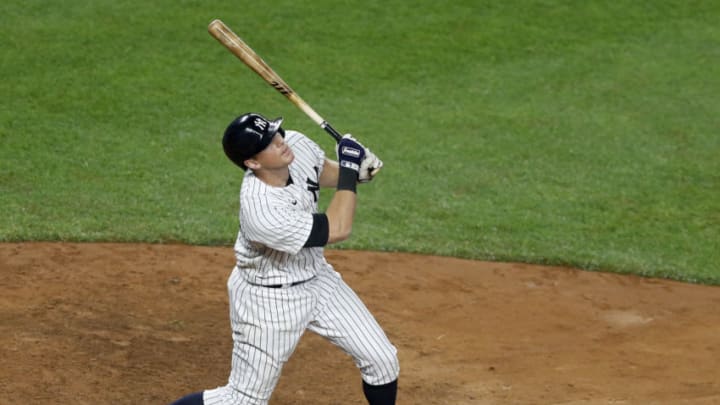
x=277, y=155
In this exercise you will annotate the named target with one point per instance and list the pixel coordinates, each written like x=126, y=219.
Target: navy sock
x=195, y=398
x=380, y=394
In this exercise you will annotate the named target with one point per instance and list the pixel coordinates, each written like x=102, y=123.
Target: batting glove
x=369, y=167
x=350, y=153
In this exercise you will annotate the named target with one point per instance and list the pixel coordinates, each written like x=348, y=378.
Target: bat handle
x=330, y=130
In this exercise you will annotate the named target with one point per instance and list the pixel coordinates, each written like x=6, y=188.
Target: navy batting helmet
x=248, y=135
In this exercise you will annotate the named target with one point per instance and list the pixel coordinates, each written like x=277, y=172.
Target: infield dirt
x=146, y=324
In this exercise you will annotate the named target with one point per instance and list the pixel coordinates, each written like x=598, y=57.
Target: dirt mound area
x=146, y=324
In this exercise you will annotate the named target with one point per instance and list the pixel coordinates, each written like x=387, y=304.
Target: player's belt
x=286, y=285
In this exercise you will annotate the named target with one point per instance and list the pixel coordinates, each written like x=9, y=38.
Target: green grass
x=559, y=132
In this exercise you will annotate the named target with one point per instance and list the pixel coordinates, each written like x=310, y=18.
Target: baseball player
x=281, y=284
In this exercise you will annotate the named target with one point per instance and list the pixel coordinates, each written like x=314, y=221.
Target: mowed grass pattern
x=558, y=132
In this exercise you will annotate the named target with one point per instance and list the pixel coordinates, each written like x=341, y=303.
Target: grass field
x=558, y=132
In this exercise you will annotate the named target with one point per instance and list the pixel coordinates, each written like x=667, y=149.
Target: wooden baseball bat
x=239, y=48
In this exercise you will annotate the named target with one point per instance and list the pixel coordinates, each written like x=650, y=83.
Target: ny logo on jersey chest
x=313, y=186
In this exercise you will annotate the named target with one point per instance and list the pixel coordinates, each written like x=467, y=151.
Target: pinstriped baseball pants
x=267, y=324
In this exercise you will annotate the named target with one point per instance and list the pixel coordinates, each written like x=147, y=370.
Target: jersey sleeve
x=275, y=225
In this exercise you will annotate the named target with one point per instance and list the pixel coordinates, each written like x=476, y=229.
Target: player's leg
x=267, y=325
x=195, y=398
x=347, y=322
x=380, y=394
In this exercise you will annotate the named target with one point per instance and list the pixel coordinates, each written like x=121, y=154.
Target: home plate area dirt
x=147, y=324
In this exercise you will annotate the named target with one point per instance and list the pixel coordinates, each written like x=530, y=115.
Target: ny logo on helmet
x=260, y=123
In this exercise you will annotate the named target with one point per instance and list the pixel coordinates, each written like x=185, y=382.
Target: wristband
x=347, y=179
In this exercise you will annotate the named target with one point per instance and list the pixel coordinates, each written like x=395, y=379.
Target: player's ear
x=252, y=164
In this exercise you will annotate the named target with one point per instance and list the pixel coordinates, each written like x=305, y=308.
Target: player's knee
x=395, y=367
x=384, y=367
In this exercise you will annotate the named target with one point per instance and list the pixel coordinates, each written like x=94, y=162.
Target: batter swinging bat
x=234, y=44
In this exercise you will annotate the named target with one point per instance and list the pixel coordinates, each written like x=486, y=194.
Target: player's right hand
x=350, y=153
x=369, y=167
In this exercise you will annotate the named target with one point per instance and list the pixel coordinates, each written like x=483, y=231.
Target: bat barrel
x=247, y=55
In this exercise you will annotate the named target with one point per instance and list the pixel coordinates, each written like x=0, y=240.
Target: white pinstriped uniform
x=267, y=323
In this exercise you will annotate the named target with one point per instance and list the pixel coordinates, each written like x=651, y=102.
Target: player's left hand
x=369, y=167
x=350, y=153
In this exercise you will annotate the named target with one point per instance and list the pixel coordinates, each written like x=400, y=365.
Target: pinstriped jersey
x=275, y=222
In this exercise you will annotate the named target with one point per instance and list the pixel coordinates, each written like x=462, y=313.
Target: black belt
x=286, y=285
